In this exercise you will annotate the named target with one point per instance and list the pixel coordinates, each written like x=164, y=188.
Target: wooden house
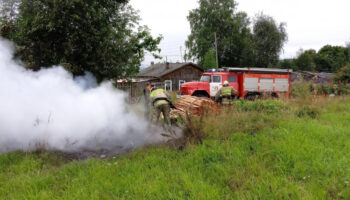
x=171, y=74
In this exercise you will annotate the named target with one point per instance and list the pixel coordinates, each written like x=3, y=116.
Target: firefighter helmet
x=225, y=83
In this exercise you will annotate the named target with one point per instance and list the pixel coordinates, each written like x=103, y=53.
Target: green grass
x=246, y=154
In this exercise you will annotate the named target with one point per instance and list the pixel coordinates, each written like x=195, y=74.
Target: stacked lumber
x=192, y=105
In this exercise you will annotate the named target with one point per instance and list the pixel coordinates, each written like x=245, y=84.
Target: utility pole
x=216, y=51
x=182, y=58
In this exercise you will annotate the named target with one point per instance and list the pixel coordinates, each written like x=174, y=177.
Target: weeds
x=266, y=106
x=286, y=157
x=193, y=129
x=248, y=117
x=308, y=111
x=251, y=117
x=301, y=90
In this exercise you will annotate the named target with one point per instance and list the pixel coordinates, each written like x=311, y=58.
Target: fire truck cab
x=249, y=82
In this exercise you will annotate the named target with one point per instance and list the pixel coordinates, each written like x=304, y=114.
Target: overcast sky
x=310, y=23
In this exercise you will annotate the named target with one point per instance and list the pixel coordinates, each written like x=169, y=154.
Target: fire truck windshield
x=205, y=78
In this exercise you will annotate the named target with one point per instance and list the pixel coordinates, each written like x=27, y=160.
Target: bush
x=325, y=89
x=343, y=76
x=301, y=90
x=343, y=89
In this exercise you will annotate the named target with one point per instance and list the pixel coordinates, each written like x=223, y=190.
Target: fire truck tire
x=200, y=94
x=252, y=96
x=274, y=95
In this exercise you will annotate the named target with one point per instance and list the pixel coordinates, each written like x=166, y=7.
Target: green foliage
x=268, y=38
x=306, y=60
x=327, y=59
x=230, y=26
x=308, y=111
x=235, y=121
x=267, y=106
x=102, y=37
x=304, y=90
x=287, y=64
x=8, y=9
x=301, y=90
x=332, y=58
x=343, y=89
x=325, y=89
x=209, y=60
x=237, y=44
x=8, y=15
x=343, y=76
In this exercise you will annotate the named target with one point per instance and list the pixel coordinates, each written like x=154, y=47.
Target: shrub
x=301, y=90
x=343, y=89
x=343, y=76
x=325, y=89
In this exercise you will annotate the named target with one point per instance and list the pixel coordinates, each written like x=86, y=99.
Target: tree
x=8, y=14
x=231, y=28
x=288, y=64
x=209, y=60
x=306, y=60
x=9, y=9
x=268, y=37
x=332, y=58
x=347, y=44
x=343, y=76
x=102, y=37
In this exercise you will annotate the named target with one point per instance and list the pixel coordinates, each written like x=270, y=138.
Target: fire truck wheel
x=200, y=94
x=274, y=95
x=252, y=96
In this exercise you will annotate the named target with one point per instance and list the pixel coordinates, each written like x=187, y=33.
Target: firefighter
x=225, y=94
x=146, y=93
x=161, y=104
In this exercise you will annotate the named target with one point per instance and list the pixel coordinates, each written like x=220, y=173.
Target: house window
x=168, y=85
x=232, y=79
x=216, y=79
x=181, y=82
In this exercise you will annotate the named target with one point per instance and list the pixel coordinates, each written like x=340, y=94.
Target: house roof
x=158, y=70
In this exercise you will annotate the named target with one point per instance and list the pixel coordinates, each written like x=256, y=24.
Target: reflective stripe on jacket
x=157, y=94
x=226, y=91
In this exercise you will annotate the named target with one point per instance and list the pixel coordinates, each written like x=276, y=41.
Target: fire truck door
x=215, y=85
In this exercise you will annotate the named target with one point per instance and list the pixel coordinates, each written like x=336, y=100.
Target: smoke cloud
x=51, y=109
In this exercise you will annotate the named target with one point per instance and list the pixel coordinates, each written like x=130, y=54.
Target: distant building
x=171, y=74
x=319, y=78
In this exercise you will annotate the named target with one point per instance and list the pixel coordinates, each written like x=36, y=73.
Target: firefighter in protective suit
x=226, y=94
x=161, y=104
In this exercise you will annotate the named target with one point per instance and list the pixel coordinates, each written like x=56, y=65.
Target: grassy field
x=259, y=150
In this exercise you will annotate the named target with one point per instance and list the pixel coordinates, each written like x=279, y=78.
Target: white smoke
x=50, y=109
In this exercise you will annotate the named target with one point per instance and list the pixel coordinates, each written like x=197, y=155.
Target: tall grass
x=271, y=153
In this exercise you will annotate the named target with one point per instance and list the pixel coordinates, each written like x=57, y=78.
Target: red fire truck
x=250, y=83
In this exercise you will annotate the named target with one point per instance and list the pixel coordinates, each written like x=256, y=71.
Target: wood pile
x=193, y=105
